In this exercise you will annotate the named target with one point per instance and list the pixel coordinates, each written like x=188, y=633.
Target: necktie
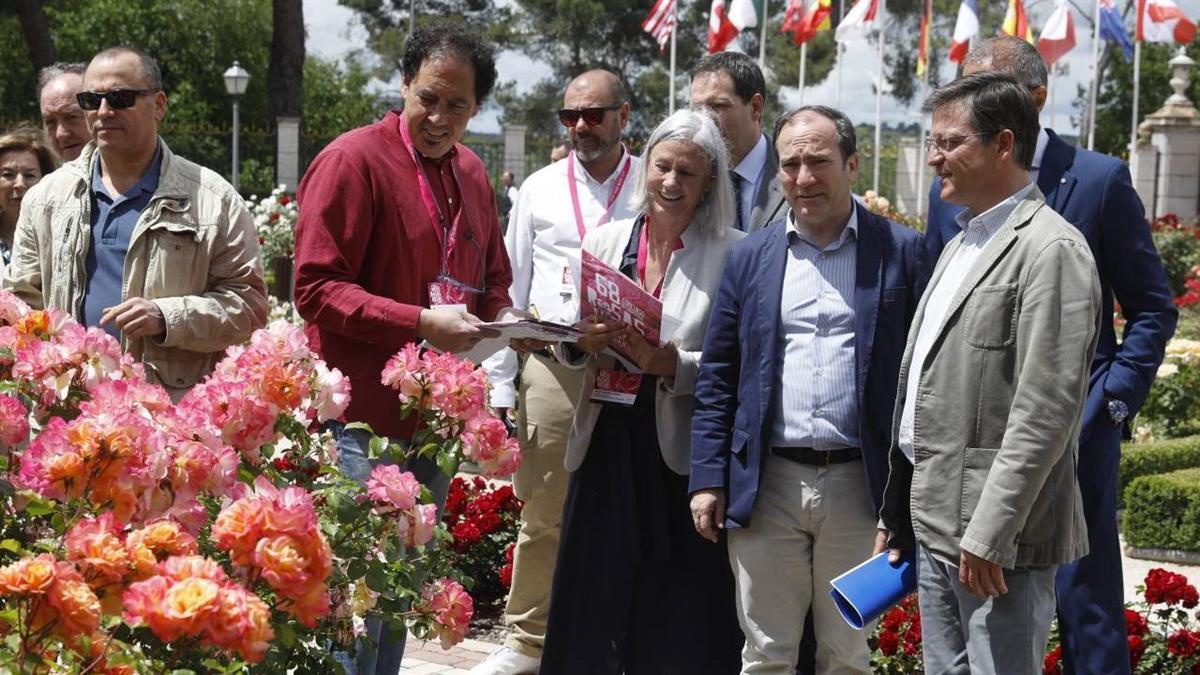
x=737, y=199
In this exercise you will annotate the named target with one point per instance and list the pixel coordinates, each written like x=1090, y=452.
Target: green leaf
x=286, y=634
x=11, y=545
x=7, y=489
x=356, y=569
x=363, y=426
x=39, y=507
x=377, y=578
x=376, y=447
x=448, y=463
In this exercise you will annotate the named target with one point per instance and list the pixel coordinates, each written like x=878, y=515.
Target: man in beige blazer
x=991, y=394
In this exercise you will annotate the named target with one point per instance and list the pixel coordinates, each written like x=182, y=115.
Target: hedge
x=1163, y=511
x=1145, y=459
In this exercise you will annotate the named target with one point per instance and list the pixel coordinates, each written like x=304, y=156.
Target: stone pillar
x=908, y=168
x=287, y=152
x=514, y=151
x=1145, y=176
x=1173, y=132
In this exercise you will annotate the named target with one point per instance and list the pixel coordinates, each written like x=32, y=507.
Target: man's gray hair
x=994, y=102
x=45, y=75
x=1012, y=56
x=698, y=126
x=151, y=73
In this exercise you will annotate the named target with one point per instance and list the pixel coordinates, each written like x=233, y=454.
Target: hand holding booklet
x=868, y=590
x=608, y=293
x=534, y=329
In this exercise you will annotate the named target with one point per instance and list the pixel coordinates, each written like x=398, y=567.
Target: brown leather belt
x=813, y=457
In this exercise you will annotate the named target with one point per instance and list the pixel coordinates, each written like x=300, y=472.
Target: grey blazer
x=769, y=203
x=688, y=288
x=1000, y=400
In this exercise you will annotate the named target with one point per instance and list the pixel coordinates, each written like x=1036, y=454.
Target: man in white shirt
x=556, y=206
x=732, y=86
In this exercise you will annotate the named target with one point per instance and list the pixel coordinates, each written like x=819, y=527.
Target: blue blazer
x=1094, y=193
x=734, y=394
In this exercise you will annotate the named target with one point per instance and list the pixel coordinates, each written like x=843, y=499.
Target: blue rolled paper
x=865, y=592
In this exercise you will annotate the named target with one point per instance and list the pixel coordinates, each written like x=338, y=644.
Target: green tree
x=1114, y=101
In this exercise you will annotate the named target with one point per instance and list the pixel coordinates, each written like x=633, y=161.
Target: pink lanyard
x=643, y=253
x=612, y=196
x=431, y=206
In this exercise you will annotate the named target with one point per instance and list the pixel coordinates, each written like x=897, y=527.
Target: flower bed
x=138, y=535
x=483, y=521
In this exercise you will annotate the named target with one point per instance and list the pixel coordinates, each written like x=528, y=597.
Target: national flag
x=1112, y=27
x=1016, y=22
x=661, y=21
x=923, y=40
x=1163, y=21
x=804, y=21
x=859, y=21
x=966, y=26
x=1058, y=35
x=725, y=24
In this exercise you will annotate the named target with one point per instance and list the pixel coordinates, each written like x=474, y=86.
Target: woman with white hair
x=636, y=590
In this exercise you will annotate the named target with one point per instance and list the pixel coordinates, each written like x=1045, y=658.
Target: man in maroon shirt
x=398, y=242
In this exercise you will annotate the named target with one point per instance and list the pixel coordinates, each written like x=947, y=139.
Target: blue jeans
x=384, y=657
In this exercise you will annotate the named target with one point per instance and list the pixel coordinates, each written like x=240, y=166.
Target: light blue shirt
x=816, y=396
x=750, y=169
x=113, y=221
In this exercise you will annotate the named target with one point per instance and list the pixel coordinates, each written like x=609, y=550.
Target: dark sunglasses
x=118, y=99
x=591, y=116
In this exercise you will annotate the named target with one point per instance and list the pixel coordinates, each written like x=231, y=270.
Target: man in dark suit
x=732, y=86
x=797, y=379
x=1095, y=194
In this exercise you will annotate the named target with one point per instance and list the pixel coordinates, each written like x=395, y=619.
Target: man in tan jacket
x=991, y=394
x=156, y=250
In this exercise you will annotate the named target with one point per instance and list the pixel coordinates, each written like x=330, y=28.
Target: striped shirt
x=816, y=399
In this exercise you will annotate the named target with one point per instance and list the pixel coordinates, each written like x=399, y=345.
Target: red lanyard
x=431, y=206
x=643, y=253
x=612, y=196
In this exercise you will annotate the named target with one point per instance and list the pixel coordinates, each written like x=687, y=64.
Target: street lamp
x=236, y=81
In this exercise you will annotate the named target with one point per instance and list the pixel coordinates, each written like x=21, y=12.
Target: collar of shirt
x=988, y=222
x=1040, y=149
x=147, y=184
x=581, y=172
x=751, y=166
x=795, y=234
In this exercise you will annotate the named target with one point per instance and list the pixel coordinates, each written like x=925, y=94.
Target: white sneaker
x=505, y=661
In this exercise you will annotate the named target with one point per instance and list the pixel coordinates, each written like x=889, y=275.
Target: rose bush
x=139, y=535
x=483, y=521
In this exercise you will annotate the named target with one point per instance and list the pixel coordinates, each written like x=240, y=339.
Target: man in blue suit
x=795, y=392
x=1095, y=194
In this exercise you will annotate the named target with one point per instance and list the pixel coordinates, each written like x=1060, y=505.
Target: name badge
x=616, y=386
x=567, y=285
x=446, y=294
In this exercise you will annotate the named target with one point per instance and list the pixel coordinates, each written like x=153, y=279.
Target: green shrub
x=1163, y=511
x=1172, y=409
x=1145, y=459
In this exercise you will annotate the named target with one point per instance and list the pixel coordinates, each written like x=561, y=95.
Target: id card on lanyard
x=568, y=285
x=446, y=291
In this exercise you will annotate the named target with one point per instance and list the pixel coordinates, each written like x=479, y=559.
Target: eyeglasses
x=591, y=116
x=949, y=144
x=118, y=99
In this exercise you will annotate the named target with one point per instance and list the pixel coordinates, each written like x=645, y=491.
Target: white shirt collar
x=751, y=166
x=1040, y=149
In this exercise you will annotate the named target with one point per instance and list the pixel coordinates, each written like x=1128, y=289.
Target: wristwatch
x=1117, y=410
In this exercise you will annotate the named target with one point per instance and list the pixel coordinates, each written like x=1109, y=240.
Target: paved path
x=428, y=658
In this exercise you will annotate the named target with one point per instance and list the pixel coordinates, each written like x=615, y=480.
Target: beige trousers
x=809, y=525
x=547, y=398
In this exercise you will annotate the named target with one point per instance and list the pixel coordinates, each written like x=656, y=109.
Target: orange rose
x=189, y=604
x=28, y=576
x=66, y=471
x=238, y=528
x=257, y=638
x=157, y=541
x=78, y=607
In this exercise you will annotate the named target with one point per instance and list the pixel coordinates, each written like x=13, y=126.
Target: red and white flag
x=660, y=22
x=804, y=21
x=1163, y=21
x=966, y=26
x=859, y=21
x=1058, y=35
x=724, y=23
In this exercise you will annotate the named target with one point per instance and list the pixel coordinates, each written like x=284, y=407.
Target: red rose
x=1135, y=623
x=913, y=634
x=1183, y=643
x=506, y=573
x=888, y=643
x=1052, y=665
x=893, y=620
x=488, y=522
x=508, y=553
x=1136, y=648
x=912, y=648
x=284, y=200
x=465, y=534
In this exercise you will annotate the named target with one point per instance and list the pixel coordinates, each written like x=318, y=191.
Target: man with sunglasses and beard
x=154, y=249
x=556, y=206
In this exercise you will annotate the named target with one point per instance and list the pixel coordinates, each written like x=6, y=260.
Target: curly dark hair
x=443, y=37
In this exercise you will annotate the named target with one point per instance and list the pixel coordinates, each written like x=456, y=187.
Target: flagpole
x=921, y=147
x=838, y=55
x=803, y=59
x=1094, y=87
x=1050, y=93
x=878, y=102
x=1137, y=85
x=762, y=44
x=671, y=100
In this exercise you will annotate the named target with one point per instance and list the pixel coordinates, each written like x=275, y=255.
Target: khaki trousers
x=547, y=398
x=809, y=525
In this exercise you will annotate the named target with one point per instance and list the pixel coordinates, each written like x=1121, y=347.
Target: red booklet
x=612, y=295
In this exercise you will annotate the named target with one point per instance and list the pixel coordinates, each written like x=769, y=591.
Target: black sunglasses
x=591, y=116
x=118, y=99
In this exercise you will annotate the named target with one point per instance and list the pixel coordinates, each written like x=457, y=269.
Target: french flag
x=858, y=21
x=724, y=24
x=966, y=26
x=1163, y=21
x=1058, y=35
